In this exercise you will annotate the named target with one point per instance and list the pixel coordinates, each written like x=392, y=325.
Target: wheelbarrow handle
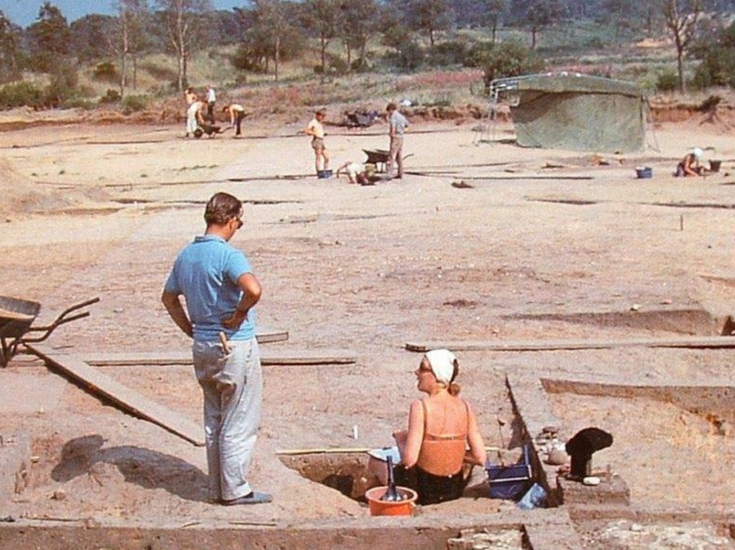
x=77, y=306
x=62, y=319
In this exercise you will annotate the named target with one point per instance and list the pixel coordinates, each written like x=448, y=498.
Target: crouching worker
x=356, y=172
x=236, y=113
x=689, y=165
x=442, y=434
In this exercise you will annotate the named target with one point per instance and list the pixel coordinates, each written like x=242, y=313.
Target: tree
x=322, y=18
x=492, y=12
x=360, y=21
x=90, y=37
x=49, y=38
x=716, y=50
x=180, y=18
x=129, y=37
x=537, y=14
x=271, y=24
x=408, y=53
x=8, y=48
x=680, y=17
x=625, y=14
x=430, y=16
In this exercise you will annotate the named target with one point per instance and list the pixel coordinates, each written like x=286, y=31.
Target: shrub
x=106, y=72
x=19, y=94
x=509, y=59
x=717, y=54
x=716, y=69
x=63, y=86
x=478, y=55
x=452, y=52
x=409, y=57
x=112, y=96
x=247, y=58
x=667, y=81
x=79, y=103
x=134, y=103
x=337, y=65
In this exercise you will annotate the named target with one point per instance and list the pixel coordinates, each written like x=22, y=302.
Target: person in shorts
x=315, y=129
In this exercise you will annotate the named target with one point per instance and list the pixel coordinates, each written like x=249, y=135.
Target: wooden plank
x=268, y=358
x=128, y=400
x=550, y=345
x=268, y=335
x=340, y=450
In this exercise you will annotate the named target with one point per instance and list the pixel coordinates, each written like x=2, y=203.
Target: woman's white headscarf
x=442, y=364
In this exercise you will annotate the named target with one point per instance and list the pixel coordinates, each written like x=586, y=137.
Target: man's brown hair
x=221, y=208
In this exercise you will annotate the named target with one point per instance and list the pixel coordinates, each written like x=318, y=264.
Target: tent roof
x=567, y=82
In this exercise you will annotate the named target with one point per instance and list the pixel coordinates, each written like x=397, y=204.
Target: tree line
x=264, y=33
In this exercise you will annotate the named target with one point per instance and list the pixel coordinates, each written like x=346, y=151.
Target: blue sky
x=24, y=12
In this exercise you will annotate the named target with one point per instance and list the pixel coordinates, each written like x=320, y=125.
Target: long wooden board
x=127, y=399
x=550, y=345
x=268, y=358
x=268, y=335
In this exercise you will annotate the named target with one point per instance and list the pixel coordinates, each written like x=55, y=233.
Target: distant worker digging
x=690, y=164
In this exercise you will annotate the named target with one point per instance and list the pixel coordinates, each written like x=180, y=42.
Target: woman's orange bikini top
x=443, y=455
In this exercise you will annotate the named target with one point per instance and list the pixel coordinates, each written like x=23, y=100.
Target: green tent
x=574, y=111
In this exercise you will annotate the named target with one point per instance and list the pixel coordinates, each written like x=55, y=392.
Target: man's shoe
x=252, y=498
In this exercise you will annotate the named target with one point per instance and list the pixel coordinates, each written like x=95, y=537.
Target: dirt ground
x=482, y=241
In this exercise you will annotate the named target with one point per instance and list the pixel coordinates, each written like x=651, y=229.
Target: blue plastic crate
x=510, y=482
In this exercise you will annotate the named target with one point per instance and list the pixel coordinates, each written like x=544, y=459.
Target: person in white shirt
x=211, y=99
x=356, y=172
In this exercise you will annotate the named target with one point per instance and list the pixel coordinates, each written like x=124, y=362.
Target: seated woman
x=442, y=433
x=689, y=165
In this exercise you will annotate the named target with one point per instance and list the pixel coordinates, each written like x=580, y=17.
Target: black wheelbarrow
x=16, y=318
x=210, y=130
x=378, y=157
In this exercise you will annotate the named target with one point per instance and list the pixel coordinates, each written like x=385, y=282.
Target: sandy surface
x=532, y=245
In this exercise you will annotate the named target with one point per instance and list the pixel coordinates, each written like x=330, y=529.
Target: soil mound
x=22, y=195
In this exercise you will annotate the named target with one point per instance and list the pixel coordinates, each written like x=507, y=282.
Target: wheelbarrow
x=16, y=318
x=210, y=130
x=378, y=157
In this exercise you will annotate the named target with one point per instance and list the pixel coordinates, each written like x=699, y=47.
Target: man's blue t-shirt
x=206, y=273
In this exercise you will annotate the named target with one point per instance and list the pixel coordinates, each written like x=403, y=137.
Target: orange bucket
x=386, y=508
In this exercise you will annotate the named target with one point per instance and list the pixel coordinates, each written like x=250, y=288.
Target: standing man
x=220, y=290
x=398, y=125
x=315, y=129
x=194, y=117
x=211, y=99
x=237, y=113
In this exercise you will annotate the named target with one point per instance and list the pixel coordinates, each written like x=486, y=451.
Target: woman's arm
x=691, y=165
x=409, y=443
x=477, y=453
